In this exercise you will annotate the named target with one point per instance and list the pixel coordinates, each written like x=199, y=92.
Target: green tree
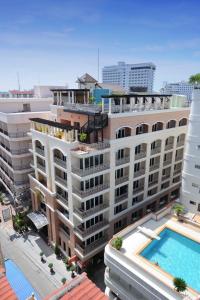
x=117, y=243
x=195, y=79
x=63, y=280
x=56, y=250
x=19, y=222
x=83, y=136
x=179, y=284
x=178, y=209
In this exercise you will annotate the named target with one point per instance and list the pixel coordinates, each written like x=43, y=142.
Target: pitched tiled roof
x=79, y=288
x=6, y=292
x=86, y=78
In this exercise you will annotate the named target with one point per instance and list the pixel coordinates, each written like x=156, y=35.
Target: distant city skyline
x=54, y=42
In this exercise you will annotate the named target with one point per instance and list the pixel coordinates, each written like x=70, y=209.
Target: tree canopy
x=195, y=78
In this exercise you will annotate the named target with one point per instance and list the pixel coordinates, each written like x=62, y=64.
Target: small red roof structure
x=79, y=288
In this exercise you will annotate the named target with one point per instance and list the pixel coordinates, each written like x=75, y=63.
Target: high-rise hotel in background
x=99, y=168
x=131, y=77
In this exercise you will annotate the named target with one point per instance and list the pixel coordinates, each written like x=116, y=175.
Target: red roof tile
x=6, y=292
x=81, y=289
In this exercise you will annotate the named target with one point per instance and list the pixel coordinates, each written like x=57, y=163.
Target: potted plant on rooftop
x=56, y=250
x=83, y=137
x=117, y=243
x=178, y=209
x=63, y=280
x=41, y=256
x=179, y=284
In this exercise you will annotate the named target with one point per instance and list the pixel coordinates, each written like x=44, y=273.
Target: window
x=195, y=185
x=192, y=202
x=120, y=154
x=197, y=166
x=137, y=149
x=119, y=208
x=26, y=107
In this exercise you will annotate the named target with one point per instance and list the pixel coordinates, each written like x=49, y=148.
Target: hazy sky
x=54, y=41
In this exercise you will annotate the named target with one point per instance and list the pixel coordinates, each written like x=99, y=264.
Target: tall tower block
x=191, y=170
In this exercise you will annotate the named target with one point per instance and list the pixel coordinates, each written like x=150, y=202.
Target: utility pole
x=18, y=81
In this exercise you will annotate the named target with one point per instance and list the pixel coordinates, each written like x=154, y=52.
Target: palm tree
x=179, y=284
x=178, y=209
x=195, y=79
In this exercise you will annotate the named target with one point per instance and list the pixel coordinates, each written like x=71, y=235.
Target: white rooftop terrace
x=152, y=277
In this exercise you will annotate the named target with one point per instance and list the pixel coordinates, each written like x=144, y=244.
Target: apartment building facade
x=15, y=157
x=98, y=169
x=191, y=171
x=131, y=77
x=179, y=88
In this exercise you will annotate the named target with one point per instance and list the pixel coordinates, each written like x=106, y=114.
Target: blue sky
x=54, y=41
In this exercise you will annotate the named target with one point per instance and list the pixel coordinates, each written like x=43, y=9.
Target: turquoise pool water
x=18, y=281
x=177, y=255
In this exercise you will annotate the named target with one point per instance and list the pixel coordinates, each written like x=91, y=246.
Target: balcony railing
x=19, y=151
x=60, y=162
x=87, y=231
x=62, y=199
x=88, y=171
x=179, y=157
x=155, y=181
x=91, y=191
x=154, y=167
x=87, y=249
x=121, y=197
x=177, y=171
x=91, y=211
x=61, y=180
x=164, y=177
x=17, y=134
x=156, y=150
x=123, y=160
x=140, y=155
x=121, y=180
x=138, y=189
x=167, y=162
x=41, y=167
x=180, y=143
x=39, y=151
x=139, y=172
x=169, y=146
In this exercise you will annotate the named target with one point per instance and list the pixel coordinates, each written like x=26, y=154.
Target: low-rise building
x=99, y=168
x=15, y=156
x=180, y=88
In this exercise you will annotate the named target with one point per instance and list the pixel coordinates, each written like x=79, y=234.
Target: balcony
x=41, y=167
x=138, y=189
x=140, y=155
x=123, y=160
x=19, y=151
x=87, y=249
x=121, y=180
x=121, y=198
x=167, y=162
x=39, y=151
x=61, y=180
x=87, y=213
x=22, y=182
x=139, y=172
x=60, y=162
x=154, y=167
x=88, y=148
x=88, y=171
x=62, y=231
x=179, y=157
x=177, y=171
x=155, y=181
x=155, y=150
x=62, y=199
x=166, y=176
x=180, y=143
x=170, y=146
x=87, y=231
x=91, y=191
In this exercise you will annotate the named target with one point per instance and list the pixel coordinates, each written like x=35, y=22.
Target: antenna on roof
x=18, y=81
x=98, y=64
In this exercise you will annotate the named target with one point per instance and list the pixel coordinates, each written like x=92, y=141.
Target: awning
x=38, y=219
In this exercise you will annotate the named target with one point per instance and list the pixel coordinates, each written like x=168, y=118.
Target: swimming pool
x=177, y=255
x=18, y=281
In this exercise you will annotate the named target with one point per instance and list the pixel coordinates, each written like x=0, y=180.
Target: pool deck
x=134, y=241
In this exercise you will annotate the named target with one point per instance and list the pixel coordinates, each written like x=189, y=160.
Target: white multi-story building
x=179, y=88
x=15, y=142
x=132, y=77
x=98, y=169
x=191, y=172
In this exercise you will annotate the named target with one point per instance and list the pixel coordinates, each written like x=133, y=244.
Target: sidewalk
x=25, y=252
